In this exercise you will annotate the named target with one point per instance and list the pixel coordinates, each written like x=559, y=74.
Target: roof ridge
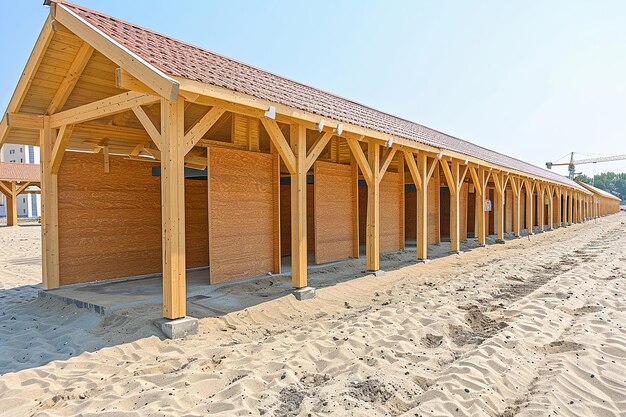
x=393, y=126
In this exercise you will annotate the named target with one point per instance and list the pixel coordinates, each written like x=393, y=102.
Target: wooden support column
x=49, y=210
x=529, y=186
x=570, y=209
x=500, y=180
x=541, y=206
x=516, y=186
x=480, y=177
x=12, y=204
x=454, y=178
x=173, y=208
x=550, y=207
x=298, y=208
x=372, y=238
x=558, y=194
x=421, y=174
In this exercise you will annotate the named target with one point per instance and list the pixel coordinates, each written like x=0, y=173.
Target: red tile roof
x=10, y=171
x=598, y=191
x=180, y=59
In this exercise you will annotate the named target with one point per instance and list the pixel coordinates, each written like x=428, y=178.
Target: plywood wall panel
x=110, y=223
x=334, y=212
x=391, y=211
x=241, y=219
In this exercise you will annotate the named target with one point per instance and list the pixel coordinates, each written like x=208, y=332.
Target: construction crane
x=571, y=165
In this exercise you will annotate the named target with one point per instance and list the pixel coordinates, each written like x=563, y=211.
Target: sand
x=533, y=327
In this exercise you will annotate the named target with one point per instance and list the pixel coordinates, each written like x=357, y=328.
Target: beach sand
x=533, y=327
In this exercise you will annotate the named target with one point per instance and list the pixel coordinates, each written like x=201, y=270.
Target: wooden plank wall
x=110, y=223
x=391, y=212
x=334, y=213
x=241, y=219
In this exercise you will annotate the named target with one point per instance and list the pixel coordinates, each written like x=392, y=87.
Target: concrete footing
x=306, y=293
x=423, y=261
x=178, y=328
x=378, y=273
x=500, y=241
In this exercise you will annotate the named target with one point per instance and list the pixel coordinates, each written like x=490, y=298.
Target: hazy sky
x=534, y=80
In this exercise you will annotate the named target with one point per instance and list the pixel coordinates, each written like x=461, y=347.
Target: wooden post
x=570, y=209
x=422, y=209
x=372, y=234
x=49, y=210
x=558, y=195
x=480, y=179
x=12, y=204
x=550, y=208
x=173, y=208
x=516, y=186
x=541, y=206
x=454, y=178
x=298, y=208
x=500, y=182
x=529, y=206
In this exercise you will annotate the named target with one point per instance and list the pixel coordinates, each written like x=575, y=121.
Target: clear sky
x=534, y=80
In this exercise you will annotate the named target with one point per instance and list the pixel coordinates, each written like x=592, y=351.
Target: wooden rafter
x=158, y=81
x=70, y=80
x=24, y=121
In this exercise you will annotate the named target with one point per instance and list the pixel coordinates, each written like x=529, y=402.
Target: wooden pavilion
x=17, y=179
x=159, y=156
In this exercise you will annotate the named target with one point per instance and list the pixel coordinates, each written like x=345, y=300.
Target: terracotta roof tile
x=180, y=59
x=10, y=171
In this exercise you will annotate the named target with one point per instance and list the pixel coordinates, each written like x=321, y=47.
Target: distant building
x=28, y=205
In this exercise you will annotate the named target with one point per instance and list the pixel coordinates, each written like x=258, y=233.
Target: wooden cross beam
x=361, y=160
x=317, y=149
x=98, y=109
x=60, y=144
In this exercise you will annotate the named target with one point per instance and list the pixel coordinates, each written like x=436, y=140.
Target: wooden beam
x=148, y=125
x=98, y=109
x=413, y=170
x=21, y=188
x=173, y=209
x=317, y=149
x=387, y=158
x=32, y=65
x=157, y=80
x=202, y=127
x=372, y=237
x=107, y=163
x=60, y=144
x=282, y=146
x=12, y=205
x=299, y=252
x=24, y=121
x=125, y=81
x=449, y=178
x=69, y=82
x=361, y=160
x=478, y=186
x=5, y=189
